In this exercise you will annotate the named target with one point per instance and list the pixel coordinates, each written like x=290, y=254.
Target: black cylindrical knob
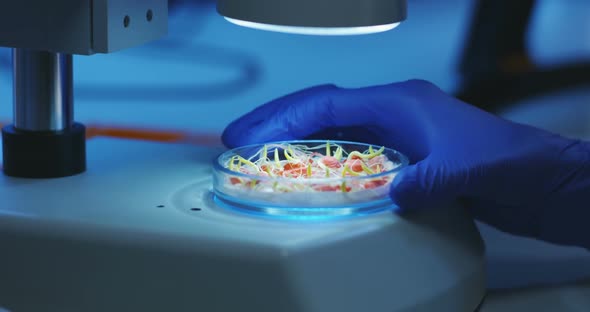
x=51, y=154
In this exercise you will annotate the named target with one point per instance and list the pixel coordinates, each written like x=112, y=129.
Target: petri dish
x=307, y=179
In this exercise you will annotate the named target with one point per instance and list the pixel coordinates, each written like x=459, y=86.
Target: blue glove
x=517, y=178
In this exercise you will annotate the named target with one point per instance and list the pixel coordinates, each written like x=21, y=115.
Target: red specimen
x=331, y=162
x=375, y=183
x=355, y=165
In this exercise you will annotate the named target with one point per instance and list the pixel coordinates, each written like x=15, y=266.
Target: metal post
x=44, y=141
x=43, y=90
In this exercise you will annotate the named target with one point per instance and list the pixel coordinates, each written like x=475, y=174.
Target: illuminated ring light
x=315, y=31
x=315, y=17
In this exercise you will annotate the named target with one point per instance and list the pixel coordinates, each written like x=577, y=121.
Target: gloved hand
x=517, y=178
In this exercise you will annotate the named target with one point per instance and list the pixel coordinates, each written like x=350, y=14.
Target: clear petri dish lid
x=311, y=179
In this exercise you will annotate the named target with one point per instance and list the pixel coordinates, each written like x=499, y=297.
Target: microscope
x=86, y=226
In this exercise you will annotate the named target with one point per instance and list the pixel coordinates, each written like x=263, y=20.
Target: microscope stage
x=139, y=231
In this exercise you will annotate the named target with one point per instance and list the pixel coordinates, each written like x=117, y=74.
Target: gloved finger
x=393, y=112
x=424, y=185
x=519, y=220
x=237, y=132
x=296, y=117
x=429, y=184
x=406, y=190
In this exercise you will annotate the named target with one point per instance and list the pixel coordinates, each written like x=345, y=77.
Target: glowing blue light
x=317, y=31
x=302, y=214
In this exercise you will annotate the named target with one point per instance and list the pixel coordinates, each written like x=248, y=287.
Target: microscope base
x=138, y=232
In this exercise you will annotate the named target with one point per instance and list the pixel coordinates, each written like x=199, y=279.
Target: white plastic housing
x=126, y=236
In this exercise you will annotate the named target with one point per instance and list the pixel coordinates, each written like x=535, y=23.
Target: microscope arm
x=81, y=26
x=44, y=141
